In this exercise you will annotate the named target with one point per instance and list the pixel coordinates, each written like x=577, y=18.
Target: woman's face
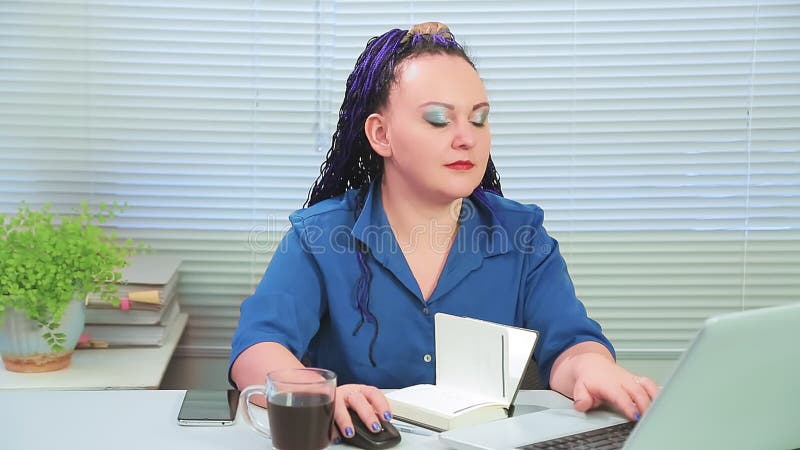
x=437, y=129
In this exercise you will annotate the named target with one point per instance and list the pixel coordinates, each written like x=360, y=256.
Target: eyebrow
x=451, y=107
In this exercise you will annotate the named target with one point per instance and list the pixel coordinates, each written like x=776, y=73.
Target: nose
x=464, y=138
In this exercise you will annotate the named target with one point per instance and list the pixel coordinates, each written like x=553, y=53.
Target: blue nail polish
x=348, y=432
x=376, y=426
x=636, y=416
x=387, y=415
x=337, y=441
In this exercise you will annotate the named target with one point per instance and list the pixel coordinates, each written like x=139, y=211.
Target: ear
x=377, y=134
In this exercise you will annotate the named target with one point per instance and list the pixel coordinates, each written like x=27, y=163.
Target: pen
x=413, y=430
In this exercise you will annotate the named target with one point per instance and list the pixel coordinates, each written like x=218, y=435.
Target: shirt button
x=425, y=311
x=427, y=358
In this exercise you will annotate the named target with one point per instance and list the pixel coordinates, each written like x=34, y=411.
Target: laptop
x=737, y=386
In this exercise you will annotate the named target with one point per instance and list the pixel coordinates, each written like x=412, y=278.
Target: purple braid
x=350, y=162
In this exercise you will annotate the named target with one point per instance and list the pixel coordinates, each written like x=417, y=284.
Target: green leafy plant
x=46, y=261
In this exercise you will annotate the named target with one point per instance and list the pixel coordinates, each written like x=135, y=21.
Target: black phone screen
x=209, y=407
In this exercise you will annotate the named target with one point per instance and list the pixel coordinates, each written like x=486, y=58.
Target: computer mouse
x=366, y=439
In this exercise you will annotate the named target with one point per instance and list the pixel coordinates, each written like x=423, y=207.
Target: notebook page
x=471, y=356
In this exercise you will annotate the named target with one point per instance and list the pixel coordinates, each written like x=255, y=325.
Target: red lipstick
x=461, y=165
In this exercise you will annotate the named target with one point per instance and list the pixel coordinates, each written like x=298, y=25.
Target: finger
x=341, y=416
x=584, y=394
x=650, y=389
x=616, y=396
x=583, y=400
x=379, y=403
x=650, y=386
x=358, y=403
x=638, y=395
x=597, y=402
x=620, y=398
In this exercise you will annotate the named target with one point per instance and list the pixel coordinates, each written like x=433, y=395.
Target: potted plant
x=48, y=264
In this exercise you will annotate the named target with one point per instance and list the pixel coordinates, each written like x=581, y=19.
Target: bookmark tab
x=145, y=297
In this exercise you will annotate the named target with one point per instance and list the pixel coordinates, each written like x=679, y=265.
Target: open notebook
x=479, y=367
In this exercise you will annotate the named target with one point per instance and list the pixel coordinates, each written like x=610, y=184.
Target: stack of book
x=148, y=307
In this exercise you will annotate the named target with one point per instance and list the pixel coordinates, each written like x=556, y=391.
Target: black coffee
x=300, y=421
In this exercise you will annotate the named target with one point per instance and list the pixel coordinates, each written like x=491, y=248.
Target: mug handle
x=244, y=397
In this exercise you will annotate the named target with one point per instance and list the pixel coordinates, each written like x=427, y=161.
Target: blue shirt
x=502, y=267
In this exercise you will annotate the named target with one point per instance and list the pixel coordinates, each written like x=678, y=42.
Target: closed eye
x=479, y=117
x=436, y=117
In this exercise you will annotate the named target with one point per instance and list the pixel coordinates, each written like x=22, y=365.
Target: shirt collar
x=481, y=234
x=372, y=226
x=480, y=228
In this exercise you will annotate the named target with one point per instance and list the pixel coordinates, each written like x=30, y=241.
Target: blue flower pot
x=25, y=350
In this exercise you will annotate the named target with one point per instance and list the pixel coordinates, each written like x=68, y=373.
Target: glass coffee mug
x=300, y=408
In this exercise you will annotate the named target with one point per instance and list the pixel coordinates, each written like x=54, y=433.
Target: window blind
x=198, y=115
x=661, y=138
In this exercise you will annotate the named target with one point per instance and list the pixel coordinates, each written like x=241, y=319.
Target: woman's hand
x=367, y=401
x=599, y=380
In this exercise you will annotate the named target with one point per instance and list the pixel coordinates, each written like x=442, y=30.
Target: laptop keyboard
x=608, y=438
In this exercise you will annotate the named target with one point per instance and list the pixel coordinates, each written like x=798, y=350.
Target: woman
x=405, y=220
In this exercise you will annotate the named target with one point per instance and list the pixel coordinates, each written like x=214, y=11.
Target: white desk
x=135, y=420
x=111, y=368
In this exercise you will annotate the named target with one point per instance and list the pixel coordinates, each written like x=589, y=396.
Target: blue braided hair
x=351, y=163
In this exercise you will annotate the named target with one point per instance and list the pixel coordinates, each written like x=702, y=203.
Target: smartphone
x=209, y=408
